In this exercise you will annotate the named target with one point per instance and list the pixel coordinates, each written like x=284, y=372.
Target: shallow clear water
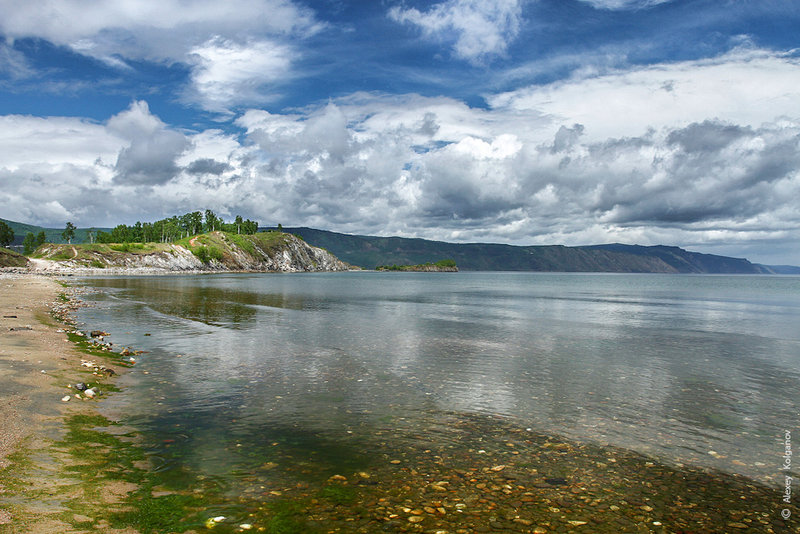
x=670, y=366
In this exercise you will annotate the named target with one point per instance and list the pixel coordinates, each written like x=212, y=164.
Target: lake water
x=335, y=369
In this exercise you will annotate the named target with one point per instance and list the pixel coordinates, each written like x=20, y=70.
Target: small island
x=442, y=266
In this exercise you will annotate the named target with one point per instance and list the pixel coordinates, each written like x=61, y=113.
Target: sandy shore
x=29, y=352
x=37, y=363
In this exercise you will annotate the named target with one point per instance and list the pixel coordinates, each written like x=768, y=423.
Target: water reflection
x=195, y=300
x=642, y=362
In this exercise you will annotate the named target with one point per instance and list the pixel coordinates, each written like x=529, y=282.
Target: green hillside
x=688, y=262
x=213, y=251
x=53, y=235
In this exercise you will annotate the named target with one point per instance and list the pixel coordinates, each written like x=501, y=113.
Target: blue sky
x=528, y=122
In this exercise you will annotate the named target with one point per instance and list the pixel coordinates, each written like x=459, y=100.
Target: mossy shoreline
x=497, y=477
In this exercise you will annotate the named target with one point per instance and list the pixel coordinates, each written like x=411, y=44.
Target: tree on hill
x=6, y=234
x=32, y=242
x=29, y=243
x=174, y=228
x=249, y=227
x=212, y=222
x=195, y=221
x=69, y=232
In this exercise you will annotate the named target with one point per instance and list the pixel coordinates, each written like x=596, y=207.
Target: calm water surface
x=700, y=370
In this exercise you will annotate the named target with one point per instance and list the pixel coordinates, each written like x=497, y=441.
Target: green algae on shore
x=492, y=476
x=498, y=478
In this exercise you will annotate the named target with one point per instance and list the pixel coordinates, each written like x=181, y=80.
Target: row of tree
x=29, y=243
x=173, y=228
x=165, y=230
x=32, y=242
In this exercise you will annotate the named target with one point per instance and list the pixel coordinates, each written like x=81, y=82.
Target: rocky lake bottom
x=447, y=405
x=495, y=477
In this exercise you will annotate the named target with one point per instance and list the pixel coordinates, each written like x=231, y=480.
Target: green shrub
x=61, y=255
x=207, y=253
x=243, y=243
x=201, y=253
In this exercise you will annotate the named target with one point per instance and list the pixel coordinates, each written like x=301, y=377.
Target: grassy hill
x=214, y=251
x=11, y=259
x=370, y=252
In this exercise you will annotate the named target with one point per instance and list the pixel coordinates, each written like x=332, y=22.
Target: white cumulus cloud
x=149, y=29
x=477, y=29
x=226, y=72
x=232, y=47
x=152, y=150
x=744, y=86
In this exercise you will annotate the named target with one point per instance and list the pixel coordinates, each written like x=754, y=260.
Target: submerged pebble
x=212, y=522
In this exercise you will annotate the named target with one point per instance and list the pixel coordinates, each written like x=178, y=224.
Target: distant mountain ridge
x=53, y=235
x=685, y=261
x=371, y=251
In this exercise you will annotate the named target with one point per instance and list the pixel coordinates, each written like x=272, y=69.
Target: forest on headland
x=194, y=242
x=174, y=228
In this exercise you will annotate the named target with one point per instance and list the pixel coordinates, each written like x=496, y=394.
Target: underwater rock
x=211, y=522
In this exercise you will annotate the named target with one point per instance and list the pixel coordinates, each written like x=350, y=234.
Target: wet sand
x=37, y=363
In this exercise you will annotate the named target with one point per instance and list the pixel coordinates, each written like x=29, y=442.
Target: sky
x=531, y=122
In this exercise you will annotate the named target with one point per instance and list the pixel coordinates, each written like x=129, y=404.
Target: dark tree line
x=176, y=227
x=32, y=242
x=6, y=234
